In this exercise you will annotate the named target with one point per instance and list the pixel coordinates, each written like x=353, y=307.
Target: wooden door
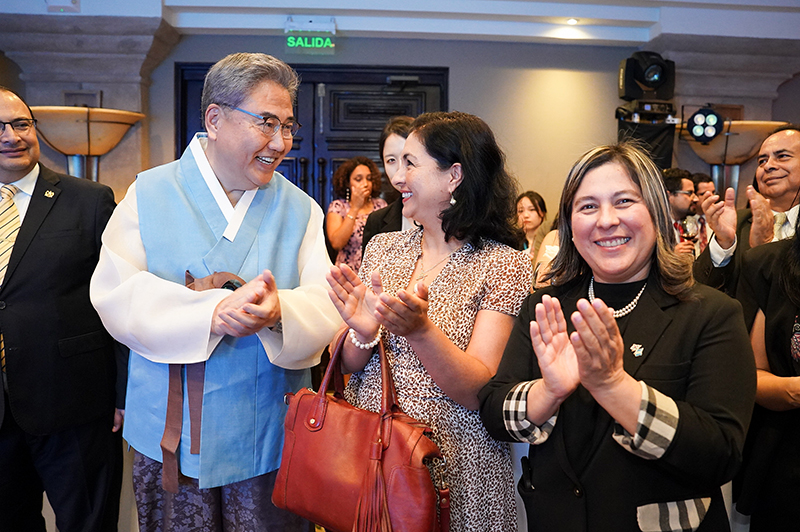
x=342, y=109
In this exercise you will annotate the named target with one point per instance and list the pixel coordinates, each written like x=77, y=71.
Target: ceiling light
x=572, y=21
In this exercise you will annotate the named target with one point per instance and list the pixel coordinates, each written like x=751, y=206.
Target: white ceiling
x=624, y=22
x=612, y=22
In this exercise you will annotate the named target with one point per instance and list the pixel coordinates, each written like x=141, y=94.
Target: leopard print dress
x=494, y=277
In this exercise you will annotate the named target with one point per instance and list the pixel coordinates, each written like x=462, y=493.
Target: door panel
x=342, y=109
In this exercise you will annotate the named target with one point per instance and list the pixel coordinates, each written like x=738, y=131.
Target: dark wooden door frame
x=387, y=75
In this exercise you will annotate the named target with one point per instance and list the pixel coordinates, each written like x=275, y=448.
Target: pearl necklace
x=624, y=311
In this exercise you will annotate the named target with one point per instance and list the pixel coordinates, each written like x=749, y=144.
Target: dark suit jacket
x=389, y=218
x=726, y=277
x=698, y=353
x=61, y=367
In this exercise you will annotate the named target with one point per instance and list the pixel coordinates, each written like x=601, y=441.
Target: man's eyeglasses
x=270, y=125
x=20, y=125
x=689, y=193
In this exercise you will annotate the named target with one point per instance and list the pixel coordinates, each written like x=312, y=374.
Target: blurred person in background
x=358, y=182
x=531, y=215
x=390, y=218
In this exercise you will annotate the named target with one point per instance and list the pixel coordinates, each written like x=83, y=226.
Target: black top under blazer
x=61, y=367
x=698, y=353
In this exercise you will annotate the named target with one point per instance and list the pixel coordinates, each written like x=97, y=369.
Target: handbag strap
x=334, y=373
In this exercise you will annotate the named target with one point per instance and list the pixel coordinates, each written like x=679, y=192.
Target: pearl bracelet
x=373, y=343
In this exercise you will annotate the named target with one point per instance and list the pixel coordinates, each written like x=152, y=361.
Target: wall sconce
x=83, y=134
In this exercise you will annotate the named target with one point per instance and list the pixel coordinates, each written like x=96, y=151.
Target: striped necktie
x=9, y=228
x=777, y=226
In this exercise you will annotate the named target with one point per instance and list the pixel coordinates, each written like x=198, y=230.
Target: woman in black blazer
x=635, y=416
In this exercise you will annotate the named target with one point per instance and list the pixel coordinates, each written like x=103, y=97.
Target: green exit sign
x=305, y=42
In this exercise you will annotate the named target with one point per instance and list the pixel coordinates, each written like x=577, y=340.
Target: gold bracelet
x=351, y=217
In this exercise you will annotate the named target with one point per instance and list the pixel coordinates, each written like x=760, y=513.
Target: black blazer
x=726, y=277
x=61, y=367
x=389, y=218
x=698, y=353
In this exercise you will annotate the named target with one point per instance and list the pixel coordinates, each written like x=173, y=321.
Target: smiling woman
x=442, y=297
x=637, y=405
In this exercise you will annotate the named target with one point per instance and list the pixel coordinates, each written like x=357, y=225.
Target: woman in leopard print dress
x=443, y=298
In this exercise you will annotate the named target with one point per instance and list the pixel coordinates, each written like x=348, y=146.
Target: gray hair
x=232, y=78
x=672, y=269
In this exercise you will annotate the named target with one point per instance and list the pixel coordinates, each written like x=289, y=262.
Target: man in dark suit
x=58, y=424
x=772, y=214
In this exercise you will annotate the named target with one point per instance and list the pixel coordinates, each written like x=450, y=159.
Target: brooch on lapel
x=49, y=193
x=637, y=350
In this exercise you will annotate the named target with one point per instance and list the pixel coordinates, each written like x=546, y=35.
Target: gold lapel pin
x=49, y=193
x=637, y=350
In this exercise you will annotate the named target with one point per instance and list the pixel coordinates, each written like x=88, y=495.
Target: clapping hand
x=354, y=300
x=557, y=361
x=405, y=314
x=721, y=217
x=598, y=345
x=249, y=308
x=762, y=228
x=591, y=355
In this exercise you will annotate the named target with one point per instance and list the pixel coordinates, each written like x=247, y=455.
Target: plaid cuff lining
x=658, y=421
x=677, y=516
x=515, y=409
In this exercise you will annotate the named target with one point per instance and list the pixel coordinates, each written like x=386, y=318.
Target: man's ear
x=212, y=120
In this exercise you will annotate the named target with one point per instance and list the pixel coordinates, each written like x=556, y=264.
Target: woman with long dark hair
x=442, y=298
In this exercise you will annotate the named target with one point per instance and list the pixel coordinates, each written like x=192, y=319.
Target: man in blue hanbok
x=209, y=367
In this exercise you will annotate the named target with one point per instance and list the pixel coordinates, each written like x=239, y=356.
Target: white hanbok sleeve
x=168, y=323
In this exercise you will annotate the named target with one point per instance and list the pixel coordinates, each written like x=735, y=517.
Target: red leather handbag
x=349, y=469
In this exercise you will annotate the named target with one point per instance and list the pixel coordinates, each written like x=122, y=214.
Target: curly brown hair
x=341, y=177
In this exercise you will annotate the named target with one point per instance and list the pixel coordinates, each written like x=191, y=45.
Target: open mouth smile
x=612, y=242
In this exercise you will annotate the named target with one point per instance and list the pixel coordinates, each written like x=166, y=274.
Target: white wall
x=787, y=106
x=546, y=103
x=120, y=8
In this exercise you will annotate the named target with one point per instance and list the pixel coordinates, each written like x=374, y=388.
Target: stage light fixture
x=646, y=74
x=705, y=124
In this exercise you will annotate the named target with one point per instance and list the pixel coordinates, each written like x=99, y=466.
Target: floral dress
x=350, y=254
x=495, y=277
